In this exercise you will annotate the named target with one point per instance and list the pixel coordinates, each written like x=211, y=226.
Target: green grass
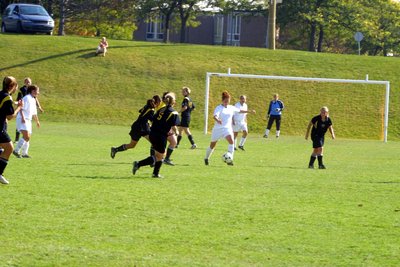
x=72, y=205
x=75, y=84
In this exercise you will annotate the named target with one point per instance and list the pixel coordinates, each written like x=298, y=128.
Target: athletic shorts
x=27, y=126
x=219, y=133
x=318, y=141
x=240, y=126
x=185, y=122
x=137, y=131
x=4, y=137
x=159, y=142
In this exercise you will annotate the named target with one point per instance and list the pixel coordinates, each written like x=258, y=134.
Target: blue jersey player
x=274, y=114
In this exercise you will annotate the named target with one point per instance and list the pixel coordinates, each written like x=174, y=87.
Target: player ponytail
x=9, y=83
x=151, y=103
x=225, y=95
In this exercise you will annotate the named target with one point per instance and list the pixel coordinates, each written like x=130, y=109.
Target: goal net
x=358, y=108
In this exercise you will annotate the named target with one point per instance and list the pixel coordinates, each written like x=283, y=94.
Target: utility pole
x=271, y=33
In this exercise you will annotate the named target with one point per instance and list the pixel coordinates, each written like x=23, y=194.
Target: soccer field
x=72, y=205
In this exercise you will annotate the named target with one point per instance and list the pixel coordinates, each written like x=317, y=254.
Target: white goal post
x=289, y=78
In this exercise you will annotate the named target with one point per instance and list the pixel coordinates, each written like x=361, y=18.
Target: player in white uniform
x=223, y=117
x=240, y=122
x=24, y=121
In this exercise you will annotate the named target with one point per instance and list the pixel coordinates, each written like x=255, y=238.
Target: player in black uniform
x=7, y=112
x=186, y=110
x=140, y=128
x=320, y=124
x=164, y=120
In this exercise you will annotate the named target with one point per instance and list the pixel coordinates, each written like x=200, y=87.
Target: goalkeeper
x=274, y=114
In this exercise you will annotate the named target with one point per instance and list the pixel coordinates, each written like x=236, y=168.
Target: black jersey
x=164, y=120
x=6, y=108
x=145, y=114
x=23, y=91
x=187, y=102
x=319, y=126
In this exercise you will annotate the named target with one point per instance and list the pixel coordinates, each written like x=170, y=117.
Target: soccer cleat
x=241, y=148
x=236, y=148
x=3, y=180
x=265, y=136
x=206, y=162
x=176, y=146
x=26, y=156
x=321, y=167
x=15, y=153
x=157, y=176
x=277, y=136
x=168, y=162
x=310, y=166
x=135, y=167
x=113, y=152
x=1, y=150
x=194, y=146
x=230, y=163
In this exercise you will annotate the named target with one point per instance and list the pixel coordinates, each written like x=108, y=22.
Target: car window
x=33, y=10
x=7, y=11
x=16, y=10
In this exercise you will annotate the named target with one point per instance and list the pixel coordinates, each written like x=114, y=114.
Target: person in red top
x=102, y=48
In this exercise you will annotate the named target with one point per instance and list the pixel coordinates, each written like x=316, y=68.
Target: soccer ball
x=227, y=157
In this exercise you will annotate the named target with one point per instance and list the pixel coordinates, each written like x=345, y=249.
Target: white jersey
x=29, y=107
x=225, y=114
x=240, y=117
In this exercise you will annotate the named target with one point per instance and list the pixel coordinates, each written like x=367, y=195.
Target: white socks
x=22, y=144
x=266, y=132
x=209, y=151
x=242, y=141
x=25, y=149
x=278, y=133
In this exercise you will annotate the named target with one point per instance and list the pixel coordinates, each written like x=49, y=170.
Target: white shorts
x=219, y=133
x=240, y=126
x=27, y=126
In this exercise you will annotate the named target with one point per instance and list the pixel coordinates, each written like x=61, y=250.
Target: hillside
x=77, y=86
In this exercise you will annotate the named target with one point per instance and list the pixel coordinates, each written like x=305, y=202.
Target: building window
x=218, y=29
x=155, y=29
x=234, y=26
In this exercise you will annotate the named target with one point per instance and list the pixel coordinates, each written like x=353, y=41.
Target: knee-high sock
x=147, y=161
x=191, y=139
x=179, y=139
x=169, y=152
x=209, y=151
x=25, y=148
x=19, y=145
x=312, y=159
x=242, y=141
x=320, y=163
x=231, y=149
x=3, y=165
x=157, y=167
x=278, y=133
x=121, y=148
x=235, y=141
x=266, y=132
x=16, y=136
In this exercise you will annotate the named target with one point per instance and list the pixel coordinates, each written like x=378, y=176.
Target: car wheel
x=3, y=28
x=19, y=27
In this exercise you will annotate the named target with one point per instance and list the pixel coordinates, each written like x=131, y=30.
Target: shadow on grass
x=100, y=177
x=97, y=164
x=85, y=56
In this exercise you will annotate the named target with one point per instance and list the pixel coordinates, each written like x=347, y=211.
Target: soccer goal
x=382, y=96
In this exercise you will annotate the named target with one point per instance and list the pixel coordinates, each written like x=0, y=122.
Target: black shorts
x=4, y=137
x=138, y=131
x=318, y=141
x=159, y=142
x=185, y=122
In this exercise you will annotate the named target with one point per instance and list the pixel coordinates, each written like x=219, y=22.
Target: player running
x=223, y=116
x=240, y=122
x=165, y=119
x=24, y=121
x=7, y=112
x=141, y=127
x=274, y=114
x=320, y=124
x=186, y=110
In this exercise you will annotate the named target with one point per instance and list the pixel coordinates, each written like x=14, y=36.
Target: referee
x=164, y=119
x=274, y=114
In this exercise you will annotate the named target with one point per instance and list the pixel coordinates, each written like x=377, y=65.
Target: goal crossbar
x=291, y=78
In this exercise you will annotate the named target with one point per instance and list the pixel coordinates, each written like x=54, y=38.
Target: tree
x=187, y=8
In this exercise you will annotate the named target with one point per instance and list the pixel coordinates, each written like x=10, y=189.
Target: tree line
x=314, y=25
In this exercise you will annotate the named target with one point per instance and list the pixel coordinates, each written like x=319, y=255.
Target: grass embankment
x=72, y=205
x=77, y=86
